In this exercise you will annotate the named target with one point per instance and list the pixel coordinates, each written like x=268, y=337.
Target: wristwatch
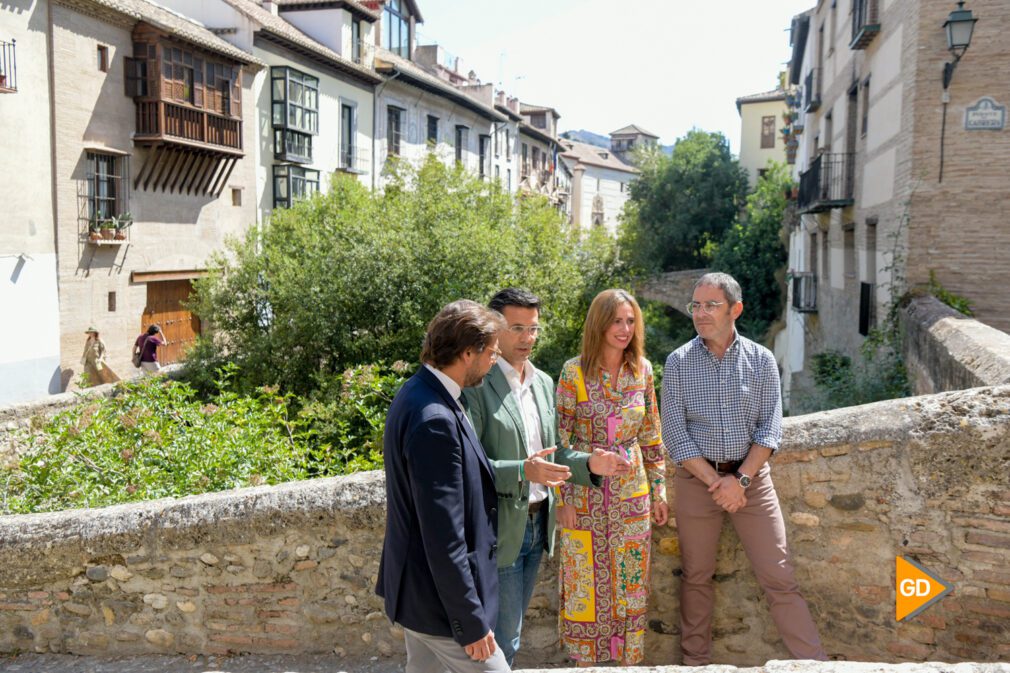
x=742, y=478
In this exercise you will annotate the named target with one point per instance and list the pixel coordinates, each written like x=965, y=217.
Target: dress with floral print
x=605, y=559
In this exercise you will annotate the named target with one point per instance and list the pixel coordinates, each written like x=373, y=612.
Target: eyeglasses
x=533, y=330
x=708, y=308
x=495, y=354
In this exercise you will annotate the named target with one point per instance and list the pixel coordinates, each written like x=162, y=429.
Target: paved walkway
x=65, y=663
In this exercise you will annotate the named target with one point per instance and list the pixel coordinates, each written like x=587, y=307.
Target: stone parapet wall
x=291, y=568
x=945, y=350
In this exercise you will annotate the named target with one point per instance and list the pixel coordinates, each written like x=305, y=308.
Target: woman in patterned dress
x=606, y=399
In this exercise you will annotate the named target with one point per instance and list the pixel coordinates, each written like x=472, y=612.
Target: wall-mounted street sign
x=985, y=115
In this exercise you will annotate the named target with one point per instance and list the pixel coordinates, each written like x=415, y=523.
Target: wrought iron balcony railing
x=8, y=67
x=826, y=184
x=353, y=160
x=804, y=291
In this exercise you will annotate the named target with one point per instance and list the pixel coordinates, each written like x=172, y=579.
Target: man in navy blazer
x=438, y=573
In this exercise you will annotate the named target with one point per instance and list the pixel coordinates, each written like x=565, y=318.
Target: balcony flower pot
x=108, y=231
x=122, y=223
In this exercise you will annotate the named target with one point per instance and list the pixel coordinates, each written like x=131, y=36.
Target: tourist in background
x=96, y=369
x=607, y=400
x=145, y=350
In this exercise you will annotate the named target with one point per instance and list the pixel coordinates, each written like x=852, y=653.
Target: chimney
x=514, y=104
x=271, y=7
x=500, y=98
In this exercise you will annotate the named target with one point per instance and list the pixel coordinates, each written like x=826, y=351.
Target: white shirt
x=455, y=392
x=523, y=393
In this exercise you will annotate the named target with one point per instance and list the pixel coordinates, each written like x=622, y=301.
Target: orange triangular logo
x=915, y=589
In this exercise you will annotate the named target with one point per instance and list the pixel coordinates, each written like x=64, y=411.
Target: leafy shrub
x=343, y=422
x=157, y=438
x=879, y=375
x=955, y=301
x=353, y=277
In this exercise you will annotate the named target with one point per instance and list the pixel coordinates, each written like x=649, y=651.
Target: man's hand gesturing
x=542, y=471
x=482, y=649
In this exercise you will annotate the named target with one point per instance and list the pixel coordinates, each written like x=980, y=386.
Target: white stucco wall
x=418, y=104
x=752, y=156
x=29, y=344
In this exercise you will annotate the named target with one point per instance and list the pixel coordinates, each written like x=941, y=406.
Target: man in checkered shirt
x=722, y=420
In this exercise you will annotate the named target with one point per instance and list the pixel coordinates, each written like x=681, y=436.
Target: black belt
x=534, y=508
x=729, y=467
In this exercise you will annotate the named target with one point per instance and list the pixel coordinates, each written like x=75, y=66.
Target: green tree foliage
x=353, y=277
x=753, y=252
x=681, y=202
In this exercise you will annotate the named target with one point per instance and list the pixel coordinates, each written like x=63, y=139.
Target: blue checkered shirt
x=716, y=409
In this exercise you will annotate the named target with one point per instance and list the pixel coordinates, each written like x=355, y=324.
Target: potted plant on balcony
x=107, y=229
x=121, y=223
x=94, y=229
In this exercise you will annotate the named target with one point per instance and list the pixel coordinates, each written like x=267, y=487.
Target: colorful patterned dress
x=605, y=559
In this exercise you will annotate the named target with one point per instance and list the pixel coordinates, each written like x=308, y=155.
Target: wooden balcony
x=191, y=150
x=166, y=122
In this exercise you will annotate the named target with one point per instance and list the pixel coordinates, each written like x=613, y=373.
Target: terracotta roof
x=174, y=23
x=353, y=7
x=584, y=153
x=504, y=109
x=766, y=97
x=389, y=63
x=632, y=129
x=525, y=108
x=287, y=33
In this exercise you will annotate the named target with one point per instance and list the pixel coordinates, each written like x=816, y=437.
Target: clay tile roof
x=584, y=153
x=283, y=30
x=632, y=129
x=765, y=97
x=387, y=63
x=176, y=24
x=354, y=7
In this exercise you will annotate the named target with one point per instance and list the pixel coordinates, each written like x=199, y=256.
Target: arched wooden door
x=165, y=306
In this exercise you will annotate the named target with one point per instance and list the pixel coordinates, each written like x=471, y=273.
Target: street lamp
x=959, y=27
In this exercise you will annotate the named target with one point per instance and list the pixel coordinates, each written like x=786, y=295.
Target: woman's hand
x=566, y=516
x=660, y=513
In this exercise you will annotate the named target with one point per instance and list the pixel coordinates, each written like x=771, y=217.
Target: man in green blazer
x=515, y=416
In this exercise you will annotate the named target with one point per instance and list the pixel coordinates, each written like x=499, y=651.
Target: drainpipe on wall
x=375, y=120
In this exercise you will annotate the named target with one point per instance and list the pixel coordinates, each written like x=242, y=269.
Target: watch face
x=743, y=479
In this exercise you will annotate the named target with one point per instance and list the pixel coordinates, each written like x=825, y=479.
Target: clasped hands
x=728, y=493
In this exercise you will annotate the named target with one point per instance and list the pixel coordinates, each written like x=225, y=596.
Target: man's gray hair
x=724, y=282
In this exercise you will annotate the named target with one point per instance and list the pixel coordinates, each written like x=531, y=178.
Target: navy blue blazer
x=438, y=573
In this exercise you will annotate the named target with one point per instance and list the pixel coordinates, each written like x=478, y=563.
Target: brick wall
x=291, y=568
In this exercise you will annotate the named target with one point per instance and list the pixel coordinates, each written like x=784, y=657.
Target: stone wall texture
x=291, y=568
x=945, y=350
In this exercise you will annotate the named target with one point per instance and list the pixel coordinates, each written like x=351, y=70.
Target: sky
x=666, y=65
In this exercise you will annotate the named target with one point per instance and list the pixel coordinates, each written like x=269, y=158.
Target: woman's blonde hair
x=601, y=314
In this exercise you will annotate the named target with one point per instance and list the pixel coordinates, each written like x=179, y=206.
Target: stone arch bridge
x=673, y=288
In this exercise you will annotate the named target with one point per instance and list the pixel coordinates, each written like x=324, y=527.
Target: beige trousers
x=763, y=535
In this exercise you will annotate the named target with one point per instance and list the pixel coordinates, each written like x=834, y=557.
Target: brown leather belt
x=729, y=467
x=535, y=507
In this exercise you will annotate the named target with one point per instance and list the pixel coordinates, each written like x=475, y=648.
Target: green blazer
x=498, y=421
